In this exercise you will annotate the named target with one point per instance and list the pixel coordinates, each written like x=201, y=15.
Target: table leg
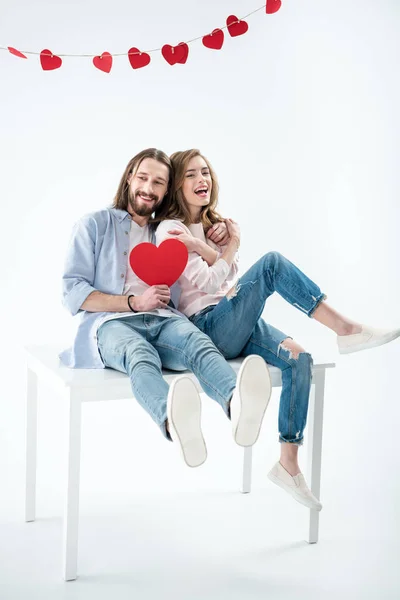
x=246, y=473
x=71, y=513
x=31, y=445
x=315, y=419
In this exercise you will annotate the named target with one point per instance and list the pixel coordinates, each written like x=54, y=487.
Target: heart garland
x=16, y=52
x=103, y=62
x=236, y=26
x=272, y=6
x=49, y=61
x=138, y=59
x=214, y=40
x=172, y=54
x=175, y=54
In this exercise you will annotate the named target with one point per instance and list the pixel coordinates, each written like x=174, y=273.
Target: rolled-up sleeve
x=79, y=268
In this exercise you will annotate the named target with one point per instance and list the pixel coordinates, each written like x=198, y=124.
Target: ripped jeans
x=237, y=329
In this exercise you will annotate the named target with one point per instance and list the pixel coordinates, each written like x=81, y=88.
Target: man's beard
x=143, y=210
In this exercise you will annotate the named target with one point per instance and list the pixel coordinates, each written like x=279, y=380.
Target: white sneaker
x=184, y=420
x=369, y=337
x=250, y=400
x=296, y=486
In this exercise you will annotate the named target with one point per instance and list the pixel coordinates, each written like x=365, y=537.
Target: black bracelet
x=129, y=304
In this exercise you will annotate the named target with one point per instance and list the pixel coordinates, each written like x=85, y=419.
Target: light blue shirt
x=97, y=260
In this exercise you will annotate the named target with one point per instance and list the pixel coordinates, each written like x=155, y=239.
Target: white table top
x=43, y=359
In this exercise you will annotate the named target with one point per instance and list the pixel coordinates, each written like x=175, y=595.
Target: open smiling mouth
x=148, y=200
x=202, y=192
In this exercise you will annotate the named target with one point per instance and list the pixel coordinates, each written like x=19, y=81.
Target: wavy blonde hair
x=177, y=208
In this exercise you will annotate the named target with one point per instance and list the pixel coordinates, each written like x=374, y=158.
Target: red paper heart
x=103, y=62
x=138, y=59
x=159, y=266
x=168, y=53
x=49, y=61
x=16, y=52
x=175, y=54
x=182, y=50
x=236, y=26
x=272, y=6
x=214, y=40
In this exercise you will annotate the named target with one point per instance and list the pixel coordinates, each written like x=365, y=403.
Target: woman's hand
x=190, y=241
x=218, y=233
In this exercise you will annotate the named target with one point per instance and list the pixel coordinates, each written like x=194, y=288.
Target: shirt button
x=122, y=275
x=126, y=232
x=125, y=253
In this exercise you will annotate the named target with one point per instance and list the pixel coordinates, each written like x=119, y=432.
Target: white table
x=77, y=386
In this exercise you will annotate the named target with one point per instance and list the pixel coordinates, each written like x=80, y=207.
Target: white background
x=300, y=120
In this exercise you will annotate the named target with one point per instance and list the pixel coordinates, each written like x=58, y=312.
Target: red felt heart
x=16, y=52
x=214, y=40
x=182, y=50
x=49, y=61
x=159, y=266
x=272, y=6
x=236, y=26
x=138, y=59
x=168, y=53
x=175, y=54
x=103, y=62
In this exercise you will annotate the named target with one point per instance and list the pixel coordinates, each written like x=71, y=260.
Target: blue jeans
x=141, y=345
x=236, y=328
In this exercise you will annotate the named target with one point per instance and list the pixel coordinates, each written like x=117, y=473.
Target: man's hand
x=233, y=230
x=157, y=296
x=218, y=233
x=190, y=241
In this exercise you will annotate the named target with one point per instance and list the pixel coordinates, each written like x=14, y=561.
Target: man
x=134, y=328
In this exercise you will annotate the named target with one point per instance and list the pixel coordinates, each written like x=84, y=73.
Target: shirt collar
x=119, y=214
x=122, y=214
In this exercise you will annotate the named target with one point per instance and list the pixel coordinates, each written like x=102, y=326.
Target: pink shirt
x=201, y=284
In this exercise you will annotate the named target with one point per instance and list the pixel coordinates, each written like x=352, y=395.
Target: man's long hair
x=177, y=208
x=121, y=199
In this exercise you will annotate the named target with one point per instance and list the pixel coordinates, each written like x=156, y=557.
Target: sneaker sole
x=288, y=489
x=255, y=389
x=184, y=418
x=374, y=344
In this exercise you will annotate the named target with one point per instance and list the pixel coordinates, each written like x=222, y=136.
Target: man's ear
x=128, y=179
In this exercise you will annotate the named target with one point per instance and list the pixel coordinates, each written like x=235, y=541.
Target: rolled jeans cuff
x=318, y=301
x=298, y=442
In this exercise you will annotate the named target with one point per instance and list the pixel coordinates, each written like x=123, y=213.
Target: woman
x=228, y=309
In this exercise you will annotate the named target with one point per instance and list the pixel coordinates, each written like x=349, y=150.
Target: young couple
x=208, y=316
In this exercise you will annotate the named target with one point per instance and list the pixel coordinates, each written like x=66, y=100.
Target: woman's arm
x=193, y=244
x=206, y=278
x=209, y=279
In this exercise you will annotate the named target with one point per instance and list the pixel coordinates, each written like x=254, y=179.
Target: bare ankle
x=348, y=328
x=291, y=466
